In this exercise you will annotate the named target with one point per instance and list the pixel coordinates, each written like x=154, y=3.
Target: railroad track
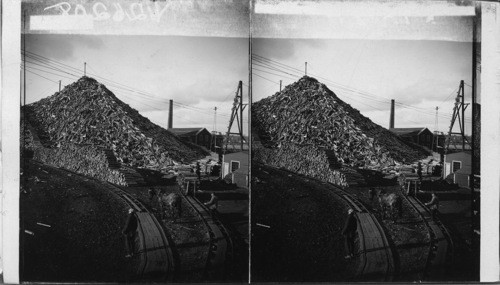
x=440, y=245
x=375, y=251
x=153, y=248
x=156, y=259
x=220, y=244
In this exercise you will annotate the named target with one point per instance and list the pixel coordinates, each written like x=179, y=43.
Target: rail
x=154, y=250
x=440, y=244
x=220, y=245
x=375, y=251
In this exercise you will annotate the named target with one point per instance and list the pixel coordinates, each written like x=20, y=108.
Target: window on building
x=456, y=165
x=235, y=165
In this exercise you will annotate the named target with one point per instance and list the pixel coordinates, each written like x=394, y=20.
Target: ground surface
x=190, y=237
x=296, y=235
x=296, y=229
x=84, y=240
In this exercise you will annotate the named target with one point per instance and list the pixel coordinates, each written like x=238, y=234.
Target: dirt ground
x=296, y=229
x=80, y=239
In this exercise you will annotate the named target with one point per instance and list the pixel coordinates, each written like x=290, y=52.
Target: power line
x=265, y=78
x=453, y=92
x=275, y=68
x=38, y=69
x=364, y=94
x=256, y=69
x=51, y=65
x=41, y=76
x=107, y=81
x=261, y=58
x=192, y=108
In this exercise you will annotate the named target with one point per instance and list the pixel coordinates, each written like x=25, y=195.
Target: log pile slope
x=87, y=113
x=88, y=160
x=306, y=113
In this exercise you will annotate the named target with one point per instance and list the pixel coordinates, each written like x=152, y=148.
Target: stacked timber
x=86, y=112
x=28, y=138
x=306, y=113
x=305, y=160
x=88, y=160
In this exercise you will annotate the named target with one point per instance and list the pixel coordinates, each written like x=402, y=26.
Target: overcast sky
x=199, y=72
x=421, y=74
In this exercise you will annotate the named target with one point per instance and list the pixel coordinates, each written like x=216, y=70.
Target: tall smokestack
x=391, y=122
x=170, y=113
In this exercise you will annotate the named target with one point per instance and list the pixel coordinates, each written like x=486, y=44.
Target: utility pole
x=436, y=133
x=215, y=119
x=59, y=85
x=24, y=59
x=306, y=67
x=237, y=113
x=458, y=113
x=241, y=115
x=214, y=132
x=84, y=69
x=463, y=115
x=280, y=85
x=436, y=120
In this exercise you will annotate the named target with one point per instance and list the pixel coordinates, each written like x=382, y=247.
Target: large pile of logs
x=86, y=112
x=27, y=142
x=306, y=160
x=88, y=160
x=307, y=113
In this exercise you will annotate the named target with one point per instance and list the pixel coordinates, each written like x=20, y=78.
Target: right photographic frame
x=365, y=127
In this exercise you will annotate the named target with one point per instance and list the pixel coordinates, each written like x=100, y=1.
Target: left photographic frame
x=133, y=142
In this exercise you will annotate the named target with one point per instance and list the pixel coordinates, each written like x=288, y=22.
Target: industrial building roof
x=186, y=131
x=407, y=131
